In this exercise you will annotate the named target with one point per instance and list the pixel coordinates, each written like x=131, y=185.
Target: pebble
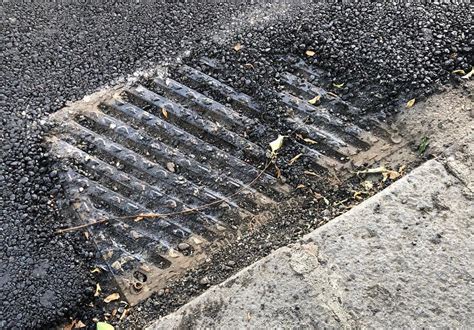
x=183, y=246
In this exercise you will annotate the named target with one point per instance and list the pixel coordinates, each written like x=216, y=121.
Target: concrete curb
x=403, y=258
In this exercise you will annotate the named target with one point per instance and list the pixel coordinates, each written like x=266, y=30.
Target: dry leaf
x=79, y=325
x=300, y=186
x=237, y=47
x=310, y=53
x=318, y=196
x=392, y=175
x=459, y=72
x=97, y=290
x=249, y=65
x=104, y=326
x=294, y=159
x=117, y=265
x=469, y=74
x=125, y=311
x=86, y=234
x=164, y=112
x=386, y=174
x=338, y=85
x=112, y=297
x=410, y=103
x=368, y=185
x=278, y=172
x=357, y=195
x=137, y=219
x=402, y=169
x=308, y=140
x=311, y=173
x=96, y=270
x=69, y=326
x=277, y=144
x=315, y=99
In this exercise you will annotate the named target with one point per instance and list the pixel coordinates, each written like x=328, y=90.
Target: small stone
x=204, y=281
x=183, y=246
x=171, y=167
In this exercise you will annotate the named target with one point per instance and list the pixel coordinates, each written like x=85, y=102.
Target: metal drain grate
x=170, y=147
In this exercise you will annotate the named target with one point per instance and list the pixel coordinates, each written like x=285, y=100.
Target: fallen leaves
x=459, y=72
x=237, y=47
x=277, y=171
x=104, y=326
x=311, y=173
x=310, y=53
x=315, y=100
x=97, y=290
x=249, y=66
x=410, y=103
x=469, y=74
x=318, y=196
x=124, y=314
x=338, y=85
x=294, y=159
x=423, y=145
x=310, y=141
x=386, y=173
x=76, y=324
x=96, y=270
x=368, y=185
x=112, y=297
x=79, y=325
x=307, y=140
x=276, y=144
x=164, y=112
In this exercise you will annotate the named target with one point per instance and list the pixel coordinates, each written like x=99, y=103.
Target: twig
x=164, y=215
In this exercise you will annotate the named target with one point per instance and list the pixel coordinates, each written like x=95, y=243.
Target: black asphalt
x=384, y=55
x=51, y=54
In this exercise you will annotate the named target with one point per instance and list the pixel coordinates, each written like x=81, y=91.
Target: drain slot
x=180, y=144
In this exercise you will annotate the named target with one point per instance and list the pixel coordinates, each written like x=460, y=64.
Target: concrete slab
x=403, y=258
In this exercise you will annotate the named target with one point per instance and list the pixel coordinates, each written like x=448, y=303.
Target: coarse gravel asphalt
x=51, y=54
x=385, y=54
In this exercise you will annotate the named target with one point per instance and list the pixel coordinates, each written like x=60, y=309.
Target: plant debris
x=237, y=47
x=315, y=100
x=164, y=112
x=294, y=159
x=276, y=144
x=104, y=326
x=112, y=297
x=423, y=145
x=97, y=290
x=410, y=103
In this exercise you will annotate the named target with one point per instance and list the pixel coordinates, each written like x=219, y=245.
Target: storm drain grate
x=170, y=147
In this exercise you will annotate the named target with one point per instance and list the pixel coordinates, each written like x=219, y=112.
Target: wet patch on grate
x=182, y=142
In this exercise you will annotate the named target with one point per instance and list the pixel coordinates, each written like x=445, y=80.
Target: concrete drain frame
x=169, y=148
